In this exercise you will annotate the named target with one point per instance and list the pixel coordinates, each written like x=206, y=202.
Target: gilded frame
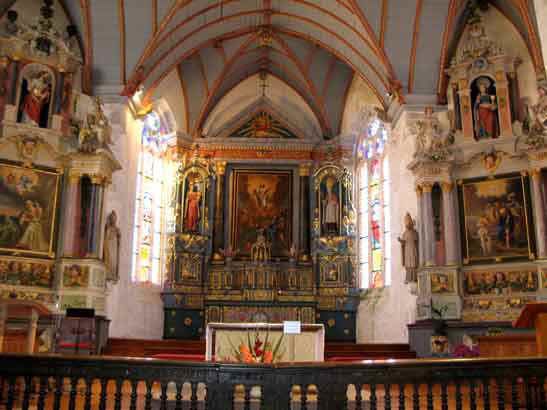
x=52, y=199
x=468, y=219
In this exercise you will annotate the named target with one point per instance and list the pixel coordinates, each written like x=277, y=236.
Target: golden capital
x=304, y=170
x=427, y=187
x=535, y=173
x=97, y=179
x=447, y=186
x=418, y=189
x=74, y=178
x=221, y=167
x=524, y=173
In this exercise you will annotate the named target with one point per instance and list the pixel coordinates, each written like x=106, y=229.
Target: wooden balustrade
x=112, y=383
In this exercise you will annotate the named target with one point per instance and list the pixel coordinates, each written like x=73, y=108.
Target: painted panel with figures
x=28, y=206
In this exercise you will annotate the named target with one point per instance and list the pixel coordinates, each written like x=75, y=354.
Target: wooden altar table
x=223, y=341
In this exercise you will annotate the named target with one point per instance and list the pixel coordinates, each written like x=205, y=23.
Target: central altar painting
x=261, y=210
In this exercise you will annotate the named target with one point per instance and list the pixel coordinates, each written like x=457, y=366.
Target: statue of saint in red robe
x=39, y=93
x=485, y=111
x=191, y=221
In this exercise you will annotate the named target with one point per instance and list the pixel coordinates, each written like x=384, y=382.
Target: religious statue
x=485, y=110
x=331, y=208
x=35, y=100
x=192, y=214
x=260, y=251
x=536, y=121
x=409, y=248
x=95, y=131
x=111, y=250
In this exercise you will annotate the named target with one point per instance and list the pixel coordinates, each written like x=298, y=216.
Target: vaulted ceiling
x=316, y=46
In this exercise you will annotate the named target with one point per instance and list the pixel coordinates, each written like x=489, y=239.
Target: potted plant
x=439, y=338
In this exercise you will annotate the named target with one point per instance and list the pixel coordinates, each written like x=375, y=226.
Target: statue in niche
x=95, y=131
x=331, y=207
x=35, y=98
x=535, y=124
x=192, y=211
x=485, y=109
x=111, y=250
x=409, y=248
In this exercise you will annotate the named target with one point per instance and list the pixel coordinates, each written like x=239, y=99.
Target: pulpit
x=535, y=315
x=263, y=343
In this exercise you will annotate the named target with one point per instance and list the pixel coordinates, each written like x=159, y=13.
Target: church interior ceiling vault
x=316, y=47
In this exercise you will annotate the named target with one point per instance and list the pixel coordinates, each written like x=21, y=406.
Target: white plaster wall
x=540, y=7
x=283, y=98
x=135, y=310
x=382, y=317
x=171, y=91
x=359, y=96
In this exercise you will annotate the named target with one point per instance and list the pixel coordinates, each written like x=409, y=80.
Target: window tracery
x=373, y=207
x=153, y=216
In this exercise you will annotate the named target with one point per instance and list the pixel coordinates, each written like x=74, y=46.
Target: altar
x=264, y=343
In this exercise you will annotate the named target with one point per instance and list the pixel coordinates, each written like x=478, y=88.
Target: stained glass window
x=152, y=217
x=373, y=201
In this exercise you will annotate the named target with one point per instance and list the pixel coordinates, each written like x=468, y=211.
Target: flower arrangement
x=259, y=351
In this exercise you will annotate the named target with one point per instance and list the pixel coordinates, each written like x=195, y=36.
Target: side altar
x=262, y=241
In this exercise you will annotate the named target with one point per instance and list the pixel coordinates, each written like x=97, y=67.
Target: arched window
x=373, y=207
x=153, y=218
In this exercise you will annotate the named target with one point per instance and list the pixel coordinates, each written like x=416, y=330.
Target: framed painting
x=28, y=208
x=261, y=206
x=496, y=219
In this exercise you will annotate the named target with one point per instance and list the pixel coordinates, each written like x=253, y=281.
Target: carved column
x=95, y=213
x=71, y=219
x=429, y=225
x=31, y=331
x=218, y=240
x=59, y=92
x=539, y=213
x=12, y=81
x=504, y=110
x=3, y=320
x=449, y=223
x=466, y=110
x=421, y=222
x=304, y=239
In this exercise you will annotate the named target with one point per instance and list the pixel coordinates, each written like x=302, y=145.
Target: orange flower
x=267, y=357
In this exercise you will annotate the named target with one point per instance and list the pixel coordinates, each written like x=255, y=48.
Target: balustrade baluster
x=402, y=397
x=88, y=393
x=472, y=395
x=247, y=397
x=444, y=396
x=194, y=396
x=163, y=395
x=387, y=397
x=72, y=398
x=26, y=393
x=102, y=399
x=486, y=393
x=373, y=401
x=542, y=403
x=178, y=396
x=429, y=396
x=58, y=393
x=358, y=397
x=458, y=395
x=514, y=394
x=42, y=387
x=134, y=395
x=11, y=393
x=148, y=395
x=118, y=385
x=416, y=396
x=500, y=386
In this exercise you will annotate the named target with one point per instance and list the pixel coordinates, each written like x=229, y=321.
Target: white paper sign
x=291, y=327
